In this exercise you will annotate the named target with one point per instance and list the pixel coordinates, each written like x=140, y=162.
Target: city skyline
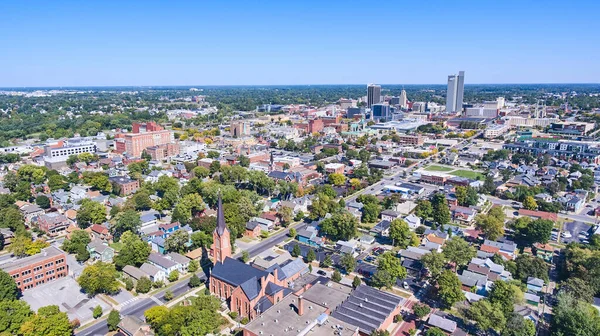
x=186, y=43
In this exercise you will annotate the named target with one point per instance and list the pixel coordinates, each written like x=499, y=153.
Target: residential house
x=99, y=250
x=153, y=273
x=389, y=215
x=544, y=251
x=30, y=211
x=463, y=214
x=53, y=223
x=535, y=284
x=446, y=325
x=100, y=232
x=182, y=261
x=309, y=236
x=413, y=221
x=381, y=229
x=133, y=326
x=252, y=229
x=163, y=263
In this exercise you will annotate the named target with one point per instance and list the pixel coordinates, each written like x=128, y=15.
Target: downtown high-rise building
x=403, y=100
x=455, y=93
x=373, y=95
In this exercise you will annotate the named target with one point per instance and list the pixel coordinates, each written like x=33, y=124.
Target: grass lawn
x=468, y=174
x=117, y=246
x=438, y=168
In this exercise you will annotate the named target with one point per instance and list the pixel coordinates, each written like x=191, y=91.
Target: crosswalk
x=128, y=302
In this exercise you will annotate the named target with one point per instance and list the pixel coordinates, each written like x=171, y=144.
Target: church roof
x=235, y=272
x=221, y=225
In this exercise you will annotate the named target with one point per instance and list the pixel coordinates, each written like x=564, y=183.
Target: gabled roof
x=442, y=323
x=235, y=272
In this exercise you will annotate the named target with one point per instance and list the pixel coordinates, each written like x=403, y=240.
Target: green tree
x=458, y=251
x=178, y=241
x=244, y=161
x=389, y=269
x=201, y=172
x=98, y=181
x=441, y=212
x=486, y=315
x=400, y=233
x=143, y=285
x=168, y=296
x=336, y=276
x=356, y=282
x=529, y=203
x=187, y=206
x=516, y=325
x=134, y=252
x=340, y=226
x=573, y=317
x=348, y=263
x=326, y=262
x=245, y=256
x=42, y=201
x=435, y=331
x=337, y=179
x=449, y=288
x=579, y=289
x=421, y=310
x=370, y=212
x=128, y=220
x=79, y=239
x=491, y=224
x=13, y=313
x=128, y=284
x=194, y=281
x=12, y=218
x=531, y=266
x=529, y=232
x=296, y=252
x=97, y=312
x=114, y=318
x=8, y=287
x=311, y=256
x=99, y=277
x=193, y=266
x=174, y=276
x=505, y=295
x=293, y=233
x=89, y=213
x=434, y=262
x=49, y=321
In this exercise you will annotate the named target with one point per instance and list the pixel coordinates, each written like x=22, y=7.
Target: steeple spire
x=221, y=226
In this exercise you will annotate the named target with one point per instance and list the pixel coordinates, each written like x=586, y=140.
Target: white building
x=496, y=130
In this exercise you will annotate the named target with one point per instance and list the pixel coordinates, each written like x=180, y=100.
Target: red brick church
x=247, y=290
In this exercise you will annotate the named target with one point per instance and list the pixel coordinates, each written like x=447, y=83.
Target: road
x=137, y=308
x=567, y=216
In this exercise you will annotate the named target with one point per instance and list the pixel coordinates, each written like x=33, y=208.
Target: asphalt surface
x=137, y=308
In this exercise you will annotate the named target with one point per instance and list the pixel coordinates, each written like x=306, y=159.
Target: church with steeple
x=248, y=290
x=221, y=247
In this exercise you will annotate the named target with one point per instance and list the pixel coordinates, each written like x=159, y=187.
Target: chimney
x=300, y=305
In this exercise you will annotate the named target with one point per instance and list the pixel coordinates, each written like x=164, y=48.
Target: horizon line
x=271, y=85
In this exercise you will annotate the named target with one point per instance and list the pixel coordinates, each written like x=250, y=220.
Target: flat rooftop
x=46, y=253
x=331, y=295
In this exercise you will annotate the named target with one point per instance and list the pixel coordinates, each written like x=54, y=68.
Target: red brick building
x=163, y=151
x=150, y=126
x=244, y=287
x=32, y=271
x=124, y=185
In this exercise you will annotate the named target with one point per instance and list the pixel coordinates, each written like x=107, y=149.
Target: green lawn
x=468, y=174
x=117, y=246
x=438, y=168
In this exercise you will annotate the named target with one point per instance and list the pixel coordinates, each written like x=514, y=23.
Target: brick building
x=150, y=126
x=244, y=287
x=53, y=223
x=32, y=271
x=124, y=185
x=163, y=151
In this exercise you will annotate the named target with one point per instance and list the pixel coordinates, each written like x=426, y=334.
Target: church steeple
x=221, y=225
x=221, y=247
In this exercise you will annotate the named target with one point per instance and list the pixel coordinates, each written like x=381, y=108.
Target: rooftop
x=46, y=253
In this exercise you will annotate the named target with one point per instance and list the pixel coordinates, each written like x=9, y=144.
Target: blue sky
x=79, y=43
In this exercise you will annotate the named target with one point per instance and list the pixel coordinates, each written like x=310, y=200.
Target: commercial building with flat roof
x=32, y=271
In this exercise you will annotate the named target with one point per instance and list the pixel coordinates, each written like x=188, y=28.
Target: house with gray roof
x=153, y=272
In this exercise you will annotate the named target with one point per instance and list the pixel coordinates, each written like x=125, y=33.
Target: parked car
x=405, y=285
x=321, y=272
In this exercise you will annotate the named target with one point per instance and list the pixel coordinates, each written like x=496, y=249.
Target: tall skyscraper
x=455, y=93
x=373, y=95
x=403, y=99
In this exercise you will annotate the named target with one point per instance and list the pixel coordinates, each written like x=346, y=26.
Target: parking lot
x=67, y=295
x=572, y=230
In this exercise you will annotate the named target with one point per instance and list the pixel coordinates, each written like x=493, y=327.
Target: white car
x=566, y=234
x=405, y=285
